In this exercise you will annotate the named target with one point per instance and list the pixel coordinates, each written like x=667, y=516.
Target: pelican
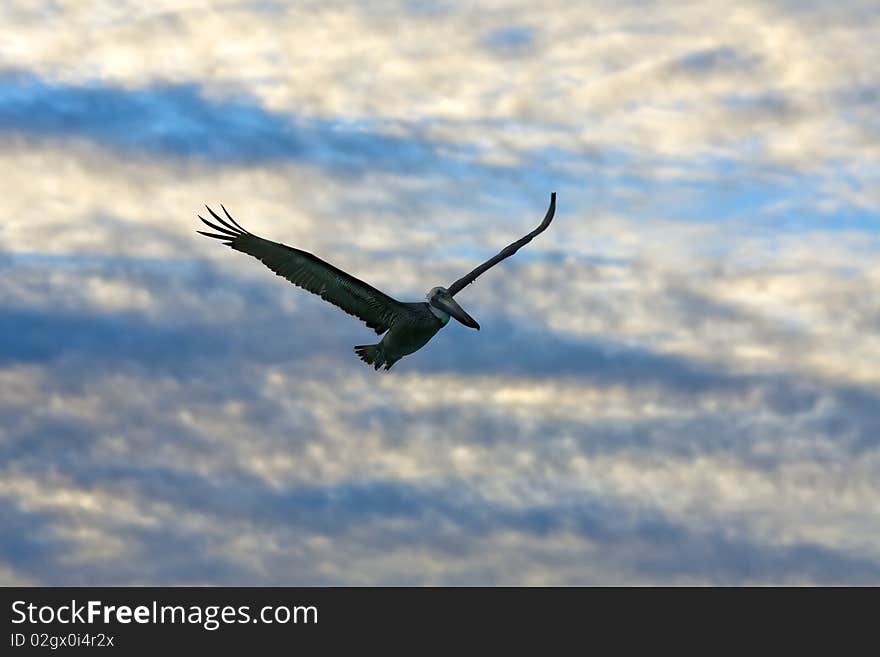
x=407, y=326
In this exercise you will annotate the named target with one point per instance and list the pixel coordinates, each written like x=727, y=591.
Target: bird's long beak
x=451, y=306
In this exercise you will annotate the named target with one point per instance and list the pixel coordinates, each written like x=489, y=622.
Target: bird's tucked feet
x=371, y=354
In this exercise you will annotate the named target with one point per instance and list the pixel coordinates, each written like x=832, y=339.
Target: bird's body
x=407, y=326
x=409, y=332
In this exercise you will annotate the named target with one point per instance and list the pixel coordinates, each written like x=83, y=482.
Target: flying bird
x=407, y=326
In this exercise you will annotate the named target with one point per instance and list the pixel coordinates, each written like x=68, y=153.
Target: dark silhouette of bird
x=408, y=326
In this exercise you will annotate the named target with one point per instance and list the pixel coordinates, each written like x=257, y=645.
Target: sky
x=678, y=383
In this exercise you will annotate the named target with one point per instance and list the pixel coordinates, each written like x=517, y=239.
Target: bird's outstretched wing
x=508, y=251
x=311, y=273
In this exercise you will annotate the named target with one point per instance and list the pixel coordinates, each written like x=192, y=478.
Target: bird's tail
x=372, y=354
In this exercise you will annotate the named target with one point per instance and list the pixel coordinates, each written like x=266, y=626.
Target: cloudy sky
x=678, y=383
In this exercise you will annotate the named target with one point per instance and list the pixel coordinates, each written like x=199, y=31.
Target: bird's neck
x=440, y=314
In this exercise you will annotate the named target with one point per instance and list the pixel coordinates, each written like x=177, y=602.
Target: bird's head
x=444, y=306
